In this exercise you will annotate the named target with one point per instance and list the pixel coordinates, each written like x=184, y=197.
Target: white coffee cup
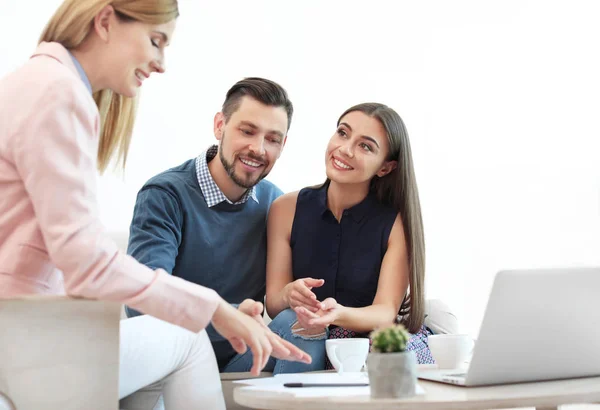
x=347, y=355
x=450, y=351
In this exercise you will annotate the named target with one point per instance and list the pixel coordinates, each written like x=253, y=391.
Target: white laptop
x=541, y=324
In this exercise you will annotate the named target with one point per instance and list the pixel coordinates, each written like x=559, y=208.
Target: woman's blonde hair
x=70, y=25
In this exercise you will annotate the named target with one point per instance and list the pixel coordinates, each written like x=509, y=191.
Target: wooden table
x=541, y=395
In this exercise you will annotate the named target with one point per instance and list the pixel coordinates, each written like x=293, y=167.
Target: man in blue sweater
x=205, y=220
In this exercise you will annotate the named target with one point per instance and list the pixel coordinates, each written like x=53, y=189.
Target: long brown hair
x=70, y=25
x=399, y=190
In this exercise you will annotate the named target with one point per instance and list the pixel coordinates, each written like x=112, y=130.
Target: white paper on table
x=330, y=377
x=275, y=384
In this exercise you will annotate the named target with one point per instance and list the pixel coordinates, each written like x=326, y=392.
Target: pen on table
x=325, y=384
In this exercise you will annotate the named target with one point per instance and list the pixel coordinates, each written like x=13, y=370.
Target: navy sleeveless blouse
x=348, y=254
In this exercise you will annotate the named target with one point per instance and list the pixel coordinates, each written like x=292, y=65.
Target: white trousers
x=157, y=358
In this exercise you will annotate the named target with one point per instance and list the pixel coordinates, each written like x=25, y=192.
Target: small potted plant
x=392, y=370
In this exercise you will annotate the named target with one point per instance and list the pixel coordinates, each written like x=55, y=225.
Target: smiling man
x=205, y=220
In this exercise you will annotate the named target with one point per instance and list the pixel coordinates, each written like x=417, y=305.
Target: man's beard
x=230, y=169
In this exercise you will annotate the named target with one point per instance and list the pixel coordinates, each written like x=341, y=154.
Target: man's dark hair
x=265, y=91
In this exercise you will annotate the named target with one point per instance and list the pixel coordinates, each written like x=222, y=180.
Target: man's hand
x=282, y=349
x=252, y=308
x=298, y=293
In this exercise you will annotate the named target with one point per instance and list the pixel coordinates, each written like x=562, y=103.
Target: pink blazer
x=51, y=240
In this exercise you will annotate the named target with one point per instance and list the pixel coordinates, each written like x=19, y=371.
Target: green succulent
x=390, y=339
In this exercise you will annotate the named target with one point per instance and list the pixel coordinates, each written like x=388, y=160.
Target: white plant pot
x=392, y=375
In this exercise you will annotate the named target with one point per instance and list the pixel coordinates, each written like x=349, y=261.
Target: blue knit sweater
x=222, y=247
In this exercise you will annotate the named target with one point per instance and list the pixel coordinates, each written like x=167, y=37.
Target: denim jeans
x=282, y=326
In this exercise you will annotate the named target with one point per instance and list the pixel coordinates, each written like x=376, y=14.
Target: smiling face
x=251, y=140
x=358, y=151
x=136, y=50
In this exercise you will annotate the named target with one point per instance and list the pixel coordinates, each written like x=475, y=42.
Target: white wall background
x=501, y=100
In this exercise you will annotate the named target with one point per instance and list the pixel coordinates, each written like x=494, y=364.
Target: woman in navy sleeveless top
x=348, y=256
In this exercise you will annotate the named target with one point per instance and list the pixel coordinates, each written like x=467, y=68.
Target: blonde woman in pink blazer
x=64, y=115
